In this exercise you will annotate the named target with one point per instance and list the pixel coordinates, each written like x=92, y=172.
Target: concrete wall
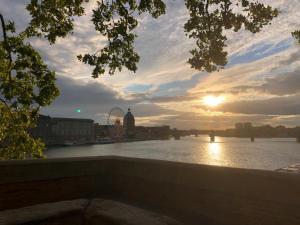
x=194, y=194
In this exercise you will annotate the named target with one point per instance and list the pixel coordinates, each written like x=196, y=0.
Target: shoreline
x=104, y=143
x=142, y=140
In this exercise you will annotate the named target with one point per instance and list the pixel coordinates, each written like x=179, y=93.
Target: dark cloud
x=92, y=92
x=149, y=109
x=274, y=106
x=290, y=121
x=166, y=99
x=285, y=84
x=294, y=57
x=95, y=100
x=92, y=98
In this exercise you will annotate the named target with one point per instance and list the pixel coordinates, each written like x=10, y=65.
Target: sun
x=213, y=101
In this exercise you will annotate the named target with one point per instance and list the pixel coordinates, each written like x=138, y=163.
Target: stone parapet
x=194, y=194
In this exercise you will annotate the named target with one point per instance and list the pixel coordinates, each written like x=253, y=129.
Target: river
x=266, y=154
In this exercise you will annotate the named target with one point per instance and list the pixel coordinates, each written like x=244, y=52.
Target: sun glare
x=213, y=101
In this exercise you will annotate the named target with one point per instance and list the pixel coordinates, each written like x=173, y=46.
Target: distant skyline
x=261, y=83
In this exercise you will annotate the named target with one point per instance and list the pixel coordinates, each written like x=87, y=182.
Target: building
x=59, y=131
x=101, y=131
x=152, y=133
x=244, y=130
x=239, y=126
x=77, y=131
x=129, y=124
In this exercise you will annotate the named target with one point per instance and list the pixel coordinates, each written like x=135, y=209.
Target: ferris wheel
x=114, y=121
x=115, y=114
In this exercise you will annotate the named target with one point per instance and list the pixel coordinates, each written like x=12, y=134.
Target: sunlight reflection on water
x=268, y=154
x=214, y=151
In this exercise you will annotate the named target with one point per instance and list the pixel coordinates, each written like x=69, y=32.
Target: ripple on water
x=267, y=154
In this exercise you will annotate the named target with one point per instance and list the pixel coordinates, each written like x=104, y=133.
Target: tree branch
x=8, y=108
x=5, y=44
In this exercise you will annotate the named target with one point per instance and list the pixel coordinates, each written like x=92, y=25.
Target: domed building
x=129, y=124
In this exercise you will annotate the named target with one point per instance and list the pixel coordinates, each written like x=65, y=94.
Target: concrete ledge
x=187, y=192
x=82, y=212
x=31, y=214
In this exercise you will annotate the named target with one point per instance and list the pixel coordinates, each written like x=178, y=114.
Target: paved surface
x=82, y=211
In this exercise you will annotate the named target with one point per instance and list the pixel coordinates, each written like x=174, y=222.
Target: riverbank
x=193, y=194
x=111, y=141
x=103, y=142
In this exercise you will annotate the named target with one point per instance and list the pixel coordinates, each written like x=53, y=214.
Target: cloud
x=280, y=29
x=164, y=99
x=274, y=106
x=284, y=84
x=192, y=120
x=290, y=120
x=95, y=100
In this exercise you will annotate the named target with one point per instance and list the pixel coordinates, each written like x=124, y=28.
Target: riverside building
x=64, y=131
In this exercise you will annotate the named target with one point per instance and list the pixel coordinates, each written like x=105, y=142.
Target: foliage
x=117, y=19
x=53, y=18
x=26, y=84
x=296, y=35
x=209, y=19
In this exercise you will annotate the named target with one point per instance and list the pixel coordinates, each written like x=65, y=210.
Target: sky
x=260, y=84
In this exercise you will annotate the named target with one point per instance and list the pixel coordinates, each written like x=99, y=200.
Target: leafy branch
x=117, y=19
x=26, y=84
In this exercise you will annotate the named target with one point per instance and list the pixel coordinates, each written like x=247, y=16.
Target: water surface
x=267, y=154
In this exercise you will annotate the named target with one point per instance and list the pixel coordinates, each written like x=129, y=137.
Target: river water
x=266, y=154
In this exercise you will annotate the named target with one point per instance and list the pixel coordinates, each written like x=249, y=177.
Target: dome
x=128, y=115
x=129, y=121
x=129, y=124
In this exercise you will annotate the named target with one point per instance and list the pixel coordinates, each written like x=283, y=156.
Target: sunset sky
x=261, y=83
